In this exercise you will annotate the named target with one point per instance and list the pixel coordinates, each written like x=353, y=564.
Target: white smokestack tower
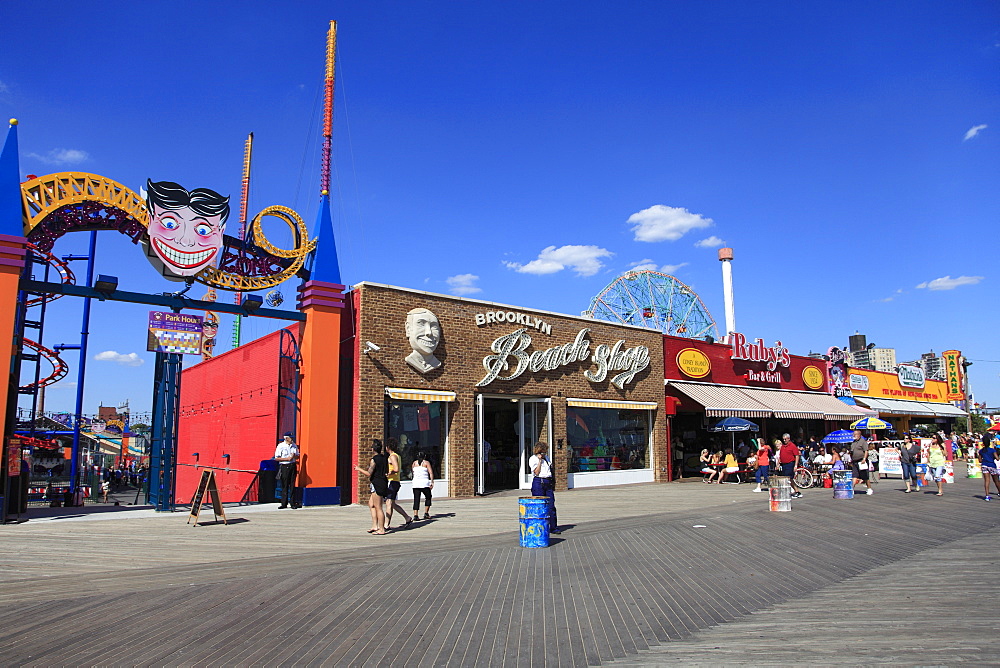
x=726, y=258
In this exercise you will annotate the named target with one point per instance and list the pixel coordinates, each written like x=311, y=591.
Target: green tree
x=978, y=424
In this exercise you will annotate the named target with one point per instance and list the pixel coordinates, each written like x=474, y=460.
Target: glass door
x=535, y=425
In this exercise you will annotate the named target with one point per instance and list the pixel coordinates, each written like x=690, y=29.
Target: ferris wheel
x=656, y=300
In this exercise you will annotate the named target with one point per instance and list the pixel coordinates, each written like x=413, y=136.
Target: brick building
x=497, y=380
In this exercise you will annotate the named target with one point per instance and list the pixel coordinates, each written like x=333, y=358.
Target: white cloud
x=64, y=385
x=62, y=156
x=974, y=130
x=949, y=283
x=665, y=223
x=462, y=284
x=711, y=242
x=131, y=359
x=584, y=260
x=4, y=88
x=652, y=266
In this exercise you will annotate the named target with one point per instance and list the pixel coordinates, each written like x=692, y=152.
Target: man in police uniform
x=287, y=456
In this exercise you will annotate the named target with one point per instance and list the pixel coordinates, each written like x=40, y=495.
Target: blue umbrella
x=734, y=424
x=839, y=436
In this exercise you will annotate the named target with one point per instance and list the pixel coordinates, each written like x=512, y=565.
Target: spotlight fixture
x=106, y=284
x=251, y=303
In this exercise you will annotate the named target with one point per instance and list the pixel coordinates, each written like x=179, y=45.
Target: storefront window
x=607, y=439
x=418, y=427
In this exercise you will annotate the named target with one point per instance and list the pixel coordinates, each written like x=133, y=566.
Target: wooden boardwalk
x=310, y=588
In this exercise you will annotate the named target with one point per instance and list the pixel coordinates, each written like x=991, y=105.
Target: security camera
x=371, y=347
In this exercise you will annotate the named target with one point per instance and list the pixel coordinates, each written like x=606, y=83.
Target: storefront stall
x=764, y=383
x=475, y=385
x=905, y=399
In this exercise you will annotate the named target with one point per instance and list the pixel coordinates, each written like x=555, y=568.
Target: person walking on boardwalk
x=989, y=463
x=287, y=456
x=936, y=460
x=395, y=467
x=423, y=481
x=909, y=456
x=542, y=482
x=859, y=462
x=378, y=482
x=788, y=454
x=763, y=463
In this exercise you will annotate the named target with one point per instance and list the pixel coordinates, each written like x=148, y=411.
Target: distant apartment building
x=862, y=355
x=882, y=359
x=932, y=365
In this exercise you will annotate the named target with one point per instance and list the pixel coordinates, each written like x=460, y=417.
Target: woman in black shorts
x=378, y=477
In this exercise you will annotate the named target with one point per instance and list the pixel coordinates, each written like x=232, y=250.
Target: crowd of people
x=861, y=456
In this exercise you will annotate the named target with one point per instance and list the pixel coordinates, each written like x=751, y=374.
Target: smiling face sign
x=185, y=228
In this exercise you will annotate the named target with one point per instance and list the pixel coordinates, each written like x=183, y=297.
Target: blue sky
x=849, y=152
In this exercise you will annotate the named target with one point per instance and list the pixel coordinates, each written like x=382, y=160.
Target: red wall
x=229, y=405
x=726, y=371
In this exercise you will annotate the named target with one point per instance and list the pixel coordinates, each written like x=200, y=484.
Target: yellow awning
x=613, y=403
x=419, y=395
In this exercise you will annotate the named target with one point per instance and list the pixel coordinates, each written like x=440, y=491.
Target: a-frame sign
x=207, y=486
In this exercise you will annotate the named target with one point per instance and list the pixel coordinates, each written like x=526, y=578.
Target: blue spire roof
x=326, y=268
x=10, y=186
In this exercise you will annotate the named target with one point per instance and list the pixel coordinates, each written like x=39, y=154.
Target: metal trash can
x=534, y=512
x=781, y=493
x=843, y=484
x=267, y=481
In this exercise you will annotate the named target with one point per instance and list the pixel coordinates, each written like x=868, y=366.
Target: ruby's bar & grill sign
x=775, y=356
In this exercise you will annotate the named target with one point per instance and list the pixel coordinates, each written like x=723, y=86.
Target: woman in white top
x=542, y=482
x=423, y=481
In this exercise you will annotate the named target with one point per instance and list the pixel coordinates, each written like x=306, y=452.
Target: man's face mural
x=185, y=228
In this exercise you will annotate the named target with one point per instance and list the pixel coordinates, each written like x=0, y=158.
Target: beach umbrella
x=839, y=436
x=870, y=423
x=995, y=427
x=734, y=424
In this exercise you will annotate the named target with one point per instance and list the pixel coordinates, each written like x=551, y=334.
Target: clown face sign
x=185, y=228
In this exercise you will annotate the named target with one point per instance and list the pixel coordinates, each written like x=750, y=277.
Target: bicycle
x=804, y=478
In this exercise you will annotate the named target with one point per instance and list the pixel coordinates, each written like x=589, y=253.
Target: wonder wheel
x=655, y=300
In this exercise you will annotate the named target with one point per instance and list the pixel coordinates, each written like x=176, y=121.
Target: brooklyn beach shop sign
x=511, y=358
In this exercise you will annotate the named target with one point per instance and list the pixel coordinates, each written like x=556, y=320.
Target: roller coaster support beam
x=166, y=300
x=74, y=480
x=161, y=493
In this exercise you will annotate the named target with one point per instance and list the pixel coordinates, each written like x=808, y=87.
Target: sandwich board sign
x=207, y=486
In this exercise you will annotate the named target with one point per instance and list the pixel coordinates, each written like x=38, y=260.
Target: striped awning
x=902, y=407
x=613, y=403
x=722, y=400
x=944, y=410
x=833, y=408
x=419, y=395
x=871, y=402
x=784, y=404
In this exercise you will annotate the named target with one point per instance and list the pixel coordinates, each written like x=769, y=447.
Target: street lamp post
x=968, y=394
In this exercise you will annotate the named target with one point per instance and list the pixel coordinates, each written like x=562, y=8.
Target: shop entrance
x=507, y=429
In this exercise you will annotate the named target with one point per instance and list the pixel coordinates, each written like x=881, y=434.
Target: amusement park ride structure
x=652, y=299
x=35, y=213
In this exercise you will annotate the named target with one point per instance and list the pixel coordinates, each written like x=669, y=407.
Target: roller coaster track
x=59, y=367
x=44, y=195
x=65, y=274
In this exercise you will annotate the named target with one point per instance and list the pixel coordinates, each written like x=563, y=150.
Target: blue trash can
x=267, y=481
x=534, y=512
x=843, y=484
